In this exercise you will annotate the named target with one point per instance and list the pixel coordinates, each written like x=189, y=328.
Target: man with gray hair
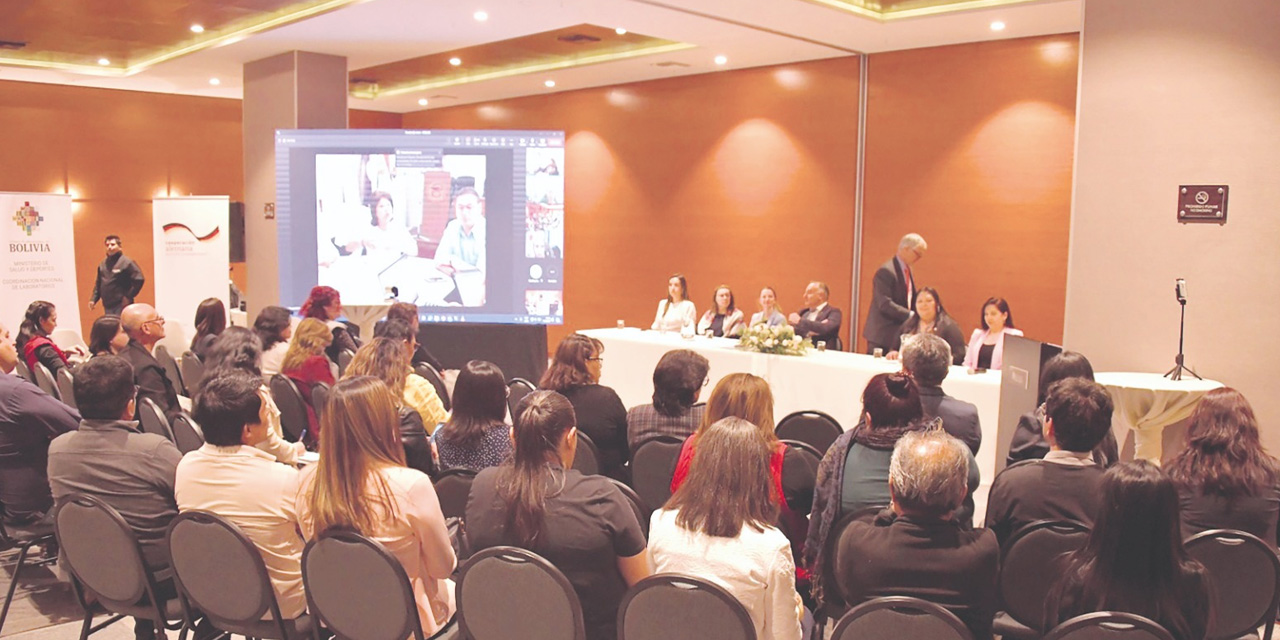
x=893, y=294
x=917, y=548
x=927, y=358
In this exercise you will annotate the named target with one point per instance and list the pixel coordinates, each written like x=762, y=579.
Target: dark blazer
x=117, y=282
x=826, y=328
x=151, y=379
x=944, y=327
x=959, y=418
x=889, y=305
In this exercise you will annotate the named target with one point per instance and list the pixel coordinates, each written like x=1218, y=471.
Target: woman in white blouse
x=724, y=318
x=677, y=311
x=719, y=526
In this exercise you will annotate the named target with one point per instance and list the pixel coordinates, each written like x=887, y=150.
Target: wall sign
x=1202, y=203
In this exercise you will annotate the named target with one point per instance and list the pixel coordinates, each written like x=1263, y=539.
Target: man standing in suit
x=818, y=321
x=118, y=281
x=893, y=294
x=927, y=358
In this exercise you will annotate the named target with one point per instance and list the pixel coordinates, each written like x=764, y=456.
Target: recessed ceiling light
x=214, y=81
x=455, y=61
x=103, y=61
x=620, y=31
x=997, y=26
x=721, y=60
x=195, y=28
x=480, y=16
x=550, y=83
x=422, y=102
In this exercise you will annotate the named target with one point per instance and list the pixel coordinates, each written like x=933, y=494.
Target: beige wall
x=1179, y=92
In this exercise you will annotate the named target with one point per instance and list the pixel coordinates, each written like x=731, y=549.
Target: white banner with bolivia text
x=37, y=257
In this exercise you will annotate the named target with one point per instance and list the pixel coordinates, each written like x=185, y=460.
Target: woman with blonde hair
x=307, y=365
x=361, y=483
x=387, y=359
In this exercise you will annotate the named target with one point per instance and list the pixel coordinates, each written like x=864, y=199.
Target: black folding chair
x=23, y=371
x=452, y=488
x=344, y=360
x=293, y=408
x=814, y=428
x=1109, y=625
x=505, y=592
x=429, y=372
x=22, y=538
x=187, y=435
x=652, y=467
x=637, y=505
x=44, y=380
x=66, y=389
x=171, y=371
x=898, y=617
x=319, y=398
x=192, y=371
x=834, y=603
x=586, y=459
x=153, y=420
x=1244, y=572
x=1029, y=566
x=519, y=388
x=670, y=606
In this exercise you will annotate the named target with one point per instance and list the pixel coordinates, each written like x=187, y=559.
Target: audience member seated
x=211, y=320
x=231, y=477
x=581, y=524
x=33, y=338
x=1028, y=441
x=677, y=311
x=419, y=393
x=274, y=326
x=720, y=526
x=818, y=321
x=931, y=318
x=1064, y=485
x=107, y=337
x=306, y=364
x=388, y=361
x=145, y=328
x=677, y=381
x=109, y=458
x=476, y=435
x=575, y=374
x=986, y=345
x=325, y=304
x=361, y=483
x=29, y=419
x=927, y=358
x=769, y=312
x=917, y=548
x=724, y=318
x=1134, y=561
x=238, y=352
x=409, y=314
x=1225, y=478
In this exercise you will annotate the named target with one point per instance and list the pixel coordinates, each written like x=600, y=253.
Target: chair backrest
x=676, y=607
x=344, y=359
x=220, y=571
x=68, y=340
x=652, y=467
x=1109, y=625
x=101, y=550
x=153, y=420
x=1244, y=572
x=170, y=367
x=187, y=435
x=505, y=592
x=453, y=487
x=319, y=398
x=586, y=459
x=44, y=380
x=637, y=505
x=293, y=409
x=22, y=370
x=811, y=427
x=192, y=371
x=519, y=388
x=66, y=389
x=429, y=372
x=897, y=617
x=1031, y=564
x=358, y=589
x=833, y=598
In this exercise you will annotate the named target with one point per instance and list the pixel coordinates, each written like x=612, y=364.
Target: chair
x=192, y=372
x=586, y=459
x=23, y=538
x=220, y=573
x=66, y=387
x=1244, y=572
x=670, y=606
x=22, y=370
x=898, y=617
x=68, y=340
x=293, y=409
x=637, y=505
x=1109, y=625
x=153, y=420
x=814, y=428
x=429, y=372
x=44, y=380
x=187, y=435
x=652, y=467
x=105, y=561
x=833, y=604
x=357, y=589
x=344, y=359
x=800, y=474
x=505, y=592
x=170, y=366
x=839, y=345
x=319, y=398
x=453, y=487
x=1027, y=573
x=519, y=388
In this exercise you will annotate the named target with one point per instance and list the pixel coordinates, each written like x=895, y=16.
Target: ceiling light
x=422, y=102
x=214, y=81
x=721, y=59
x=103, y=61
x=550, y=83
x=620, y=31
x=455, y=61
x=195, y=28
x=997, y=26
x=480, y=16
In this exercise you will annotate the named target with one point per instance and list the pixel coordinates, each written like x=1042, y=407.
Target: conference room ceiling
x=399, y=51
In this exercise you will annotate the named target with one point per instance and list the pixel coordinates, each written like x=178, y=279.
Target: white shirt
x=272, y=359
x=675, y=317
x=813, y=315
x=248, y=487
x=756, y=567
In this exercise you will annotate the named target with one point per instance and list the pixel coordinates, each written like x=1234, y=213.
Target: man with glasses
x=893, y=294
x=145, y=328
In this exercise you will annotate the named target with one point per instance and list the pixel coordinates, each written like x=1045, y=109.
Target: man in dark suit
x=893, y=294
x=916, y=548
x=927, y=358
x=145, y=328
x=118, y=281
x=818, y=321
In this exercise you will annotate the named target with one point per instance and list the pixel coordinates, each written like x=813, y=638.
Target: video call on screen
x=466, y=225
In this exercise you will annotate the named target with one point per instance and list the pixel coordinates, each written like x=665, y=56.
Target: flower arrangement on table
x=779, y=340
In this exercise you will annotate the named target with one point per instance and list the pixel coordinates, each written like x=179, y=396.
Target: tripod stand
x=1176, y=372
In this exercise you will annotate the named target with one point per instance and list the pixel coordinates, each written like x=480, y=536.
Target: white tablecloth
x=1149, y=402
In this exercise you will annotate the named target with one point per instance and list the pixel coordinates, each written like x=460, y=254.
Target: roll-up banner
x=39, y=257
x=191, y=261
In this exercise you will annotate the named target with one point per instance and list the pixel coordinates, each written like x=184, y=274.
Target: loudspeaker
x=235, y=240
